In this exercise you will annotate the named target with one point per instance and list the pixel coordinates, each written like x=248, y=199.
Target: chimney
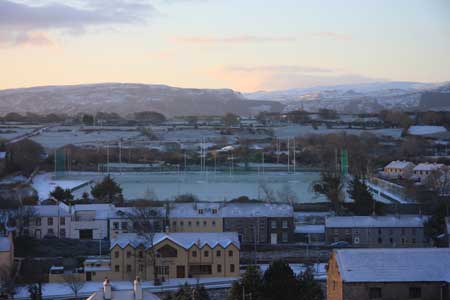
x=107, y=294
x=137, y=289
x=167, y=229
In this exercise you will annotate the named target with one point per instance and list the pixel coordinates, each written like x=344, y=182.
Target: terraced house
x=175, y=255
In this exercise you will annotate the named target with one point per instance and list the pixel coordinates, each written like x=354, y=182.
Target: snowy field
x=206, y=186
x=12, y=132
x=302, y=130
x=44, y=183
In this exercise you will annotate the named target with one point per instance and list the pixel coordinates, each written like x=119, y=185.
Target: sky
x=246, y=45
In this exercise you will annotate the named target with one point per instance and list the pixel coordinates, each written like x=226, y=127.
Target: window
x=116, y=268
x=232, y=268
x=62, y=232
x=218, y=253
x=213, y=223
x=197, y=223
x=38, y=221
x=200, y=211
x=284, y=237
x=62, y=221
x=26, y=232
x=141, y=254
x=124, y=225
x=391, y=240
x=50, y=232
x=206, y=253
x=219, y=268
x=181, y=223
x=116, y=254
x=285, y=224
x=274, y=224
x=141, y=268
x=230, y=253
x=174, y=223
x=162, y=270
x=200, y=269
x=204, y=223
x=415, y=293
x=379, y=230
x=380, y=240
x=189, y=223
x=128, y=268
x=116, y=225
x=128, y=254
x=50, y=221
x=375, y=293
x=356, y=240
x=403, y=241
x=194, y=253
x=214, y=211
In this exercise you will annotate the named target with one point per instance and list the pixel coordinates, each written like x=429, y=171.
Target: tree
x=363, y=202
x=199, y=292
x=330, y=185
x=108, y=191
x=87, y=120
x=435, y=227
x=298, y=116
x=35, y=290
x=61, y=195
x=439, y=182
x=8, y=281
x=250, y=284
x=279, y=282
x=25, y=156
x=147, y=221
x=287, y=194
x=328, y=114
x=151, y=117
x=309, y=289
x=268, y=194
x=230, y=119
x=74, y=282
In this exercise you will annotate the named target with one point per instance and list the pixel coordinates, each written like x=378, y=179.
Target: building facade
x=399, y=169
x=377, y=231
x=401, y=274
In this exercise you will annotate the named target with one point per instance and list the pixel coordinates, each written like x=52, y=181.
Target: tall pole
x=107, y=159
x=294, y=156
x=288, y=155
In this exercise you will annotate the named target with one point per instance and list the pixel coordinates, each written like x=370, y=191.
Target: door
x=181, y=272
x=88, y=276
x=273, y=238
x=86, y=234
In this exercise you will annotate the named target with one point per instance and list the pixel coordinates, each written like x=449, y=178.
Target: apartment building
x=91, y=221
x=423, y=170
x=195, y=217
x=49, y=221
x=177, y=255
x=377, y=231
x=401, y=274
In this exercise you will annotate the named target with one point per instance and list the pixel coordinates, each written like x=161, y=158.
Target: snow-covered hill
x=129, y=98
x=370, y=97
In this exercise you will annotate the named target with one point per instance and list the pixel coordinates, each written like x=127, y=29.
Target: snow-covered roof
x=399, y=164
x=121, y=212
x=309, y=228
x=5, y=244
x=195, y=210
x=394, y=265
x=183, y=239
x=375, y=221
x=238, y=210
x=51, y=210
x=426, y=129
x=428, y=166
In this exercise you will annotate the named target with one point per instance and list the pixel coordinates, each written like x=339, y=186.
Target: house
x=401, y=274
x=6, y=251
x=399, y=169
x=423, y=170
x=90, y=221
x=137, y=293
x=195, y=217
x=377, y=231
x=49, y=221
x=260, y=223
x=121, y=219
x=176, y=255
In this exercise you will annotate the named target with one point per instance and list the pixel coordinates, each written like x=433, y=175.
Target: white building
x=90, y=221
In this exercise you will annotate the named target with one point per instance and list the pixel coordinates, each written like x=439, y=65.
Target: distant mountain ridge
x=126, y=98
x=360, y=98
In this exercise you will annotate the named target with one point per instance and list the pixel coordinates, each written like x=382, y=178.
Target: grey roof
x=300, y=228
x=375, y=221
x=183, y=239
x=399, y=164
x=5, y=244
x=51, y=210
x=394, y=265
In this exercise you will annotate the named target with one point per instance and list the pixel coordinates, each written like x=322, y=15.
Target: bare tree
x=439, y=181
x=287, y=195
x=268, y=194
x=74, y=282
x=18, y=217
x=8, y=276
x=147, y=221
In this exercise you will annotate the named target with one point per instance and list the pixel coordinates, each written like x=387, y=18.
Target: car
x=340, y=244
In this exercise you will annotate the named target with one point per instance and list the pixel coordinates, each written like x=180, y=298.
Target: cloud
x=20, y=20
x=232, y=40
x=332, y=35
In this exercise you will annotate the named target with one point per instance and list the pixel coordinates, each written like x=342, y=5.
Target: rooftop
x=375, y=221
x=428, y=166
x=399, y=164
x=183, y=239
x=394, y=265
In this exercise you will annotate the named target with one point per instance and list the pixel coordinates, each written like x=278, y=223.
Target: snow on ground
x=302, y=130
x=12, y=132
x=423, y=130
x=63, y=291
x=207, y=186
x=44, y=183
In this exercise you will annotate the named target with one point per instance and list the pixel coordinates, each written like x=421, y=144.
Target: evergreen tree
x=364, y=204
x=279, y=282
x=435, y=226
x=108, y=191
x=199, y=293
x=309, y=289
x=251, y=281
x=60, y=194
x=183, y=293
x=330, y=185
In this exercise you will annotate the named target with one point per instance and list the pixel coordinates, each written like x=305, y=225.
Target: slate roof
x=375, y=221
